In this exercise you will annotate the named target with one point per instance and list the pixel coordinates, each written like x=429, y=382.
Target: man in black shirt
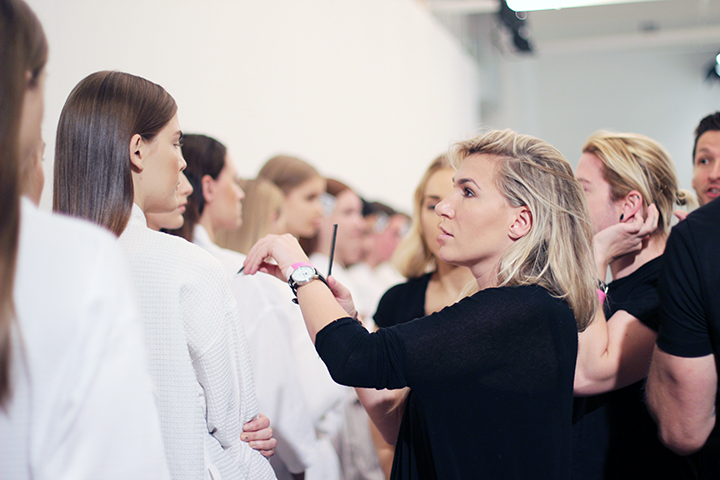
x=682, y=384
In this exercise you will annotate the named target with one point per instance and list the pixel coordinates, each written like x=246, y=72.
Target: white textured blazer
x=82, y=404
x=280, y=395
x=198, y=356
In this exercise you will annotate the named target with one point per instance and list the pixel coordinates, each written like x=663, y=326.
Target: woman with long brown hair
x=118, y=158
x=75, y=386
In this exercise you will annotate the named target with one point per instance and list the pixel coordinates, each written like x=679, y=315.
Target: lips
x=713, y=190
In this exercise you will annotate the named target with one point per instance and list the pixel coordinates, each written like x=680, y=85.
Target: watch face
x=303, y=274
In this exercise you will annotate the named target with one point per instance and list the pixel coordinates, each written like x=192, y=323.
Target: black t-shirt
x=614, y=436
x=492, y=376
x=403, y=302
x=690, y=300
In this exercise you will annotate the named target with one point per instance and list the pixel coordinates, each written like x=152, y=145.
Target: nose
x=715, y=171
x=240, y=193
x=443, y=209
x=183, y=163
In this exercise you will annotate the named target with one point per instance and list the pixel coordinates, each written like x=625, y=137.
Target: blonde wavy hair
x=636, y=162
x=262, y=205
x=412, y=257
x=557, y=251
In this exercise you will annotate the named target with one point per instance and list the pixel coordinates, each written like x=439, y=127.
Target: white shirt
x=279, y=392
x=198, y=358
x=82, y=405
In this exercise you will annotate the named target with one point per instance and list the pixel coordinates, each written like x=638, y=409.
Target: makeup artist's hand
x=343, y=296
x=622, y=238
x=283, y=249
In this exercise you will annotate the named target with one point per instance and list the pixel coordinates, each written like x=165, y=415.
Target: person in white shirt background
x=74, y=383
x=198, y=357
x=215, y=207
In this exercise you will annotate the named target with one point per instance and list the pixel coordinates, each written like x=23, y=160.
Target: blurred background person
x=215, y=206
x=627, y=178
x=374, y=274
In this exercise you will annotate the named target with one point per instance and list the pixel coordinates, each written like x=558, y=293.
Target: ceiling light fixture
x=530, y=5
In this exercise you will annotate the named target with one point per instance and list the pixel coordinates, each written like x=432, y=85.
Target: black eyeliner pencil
x=332, y=249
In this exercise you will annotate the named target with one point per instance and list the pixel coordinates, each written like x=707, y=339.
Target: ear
x=208, y=188
x=631, y=204
x=522, y=223
x=137, y=153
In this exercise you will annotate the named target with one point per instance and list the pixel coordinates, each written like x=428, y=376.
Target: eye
x=702, y=161
x=431, y=207
x=467, y=192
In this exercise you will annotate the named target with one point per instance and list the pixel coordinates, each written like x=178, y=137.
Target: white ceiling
x=664, y=23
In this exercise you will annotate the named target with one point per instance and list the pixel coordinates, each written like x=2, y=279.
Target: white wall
x=368, y=91
x=563, y=98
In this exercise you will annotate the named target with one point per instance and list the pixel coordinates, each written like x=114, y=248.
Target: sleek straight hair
x=23, y=50
x=93, y=177
x=287, y=172
x=557, y=251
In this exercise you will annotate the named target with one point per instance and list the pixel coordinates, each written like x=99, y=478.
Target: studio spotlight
x=515, y=22
x=713, y=70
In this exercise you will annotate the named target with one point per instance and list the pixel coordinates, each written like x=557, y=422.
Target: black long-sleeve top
x=492, y=378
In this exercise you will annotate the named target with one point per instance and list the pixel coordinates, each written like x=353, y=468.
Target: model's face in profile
x=33, y=110
x=303, y=208
x=604, y=212
x=226, y=205
x=174, y=219
x=475, y=218
x=439, y=186
x=348, y=216
x=162, y=164
x=706, y=167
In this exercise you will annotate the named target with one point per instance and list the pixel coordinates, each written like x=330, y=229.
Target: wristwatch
x=302, y=274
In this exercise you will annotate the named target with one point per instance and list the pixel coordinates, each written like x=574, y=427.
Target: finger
x=263, y=444
x=681, y=214
x=259, y=423
x=651, y=223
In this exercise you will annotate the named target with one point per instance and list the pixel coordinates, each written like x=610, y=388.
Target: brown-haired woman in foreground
x=76, y=399
x=493, y=373
x=117, y=158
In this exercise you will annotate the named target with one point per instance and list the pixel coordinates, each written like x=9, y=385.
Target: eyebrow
x=463, y=181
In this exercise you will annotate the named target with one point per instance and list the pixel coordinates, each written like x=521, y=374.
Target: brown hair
x=412, y=257
x=263, y=199
x=23, y=48
x=92, y=163
x=287, y=172
x=204, y=156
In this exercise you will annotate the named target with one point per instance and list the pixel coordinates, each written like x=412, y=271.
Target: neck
x=452, y=277
x=627, y=264
x=208, y=225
